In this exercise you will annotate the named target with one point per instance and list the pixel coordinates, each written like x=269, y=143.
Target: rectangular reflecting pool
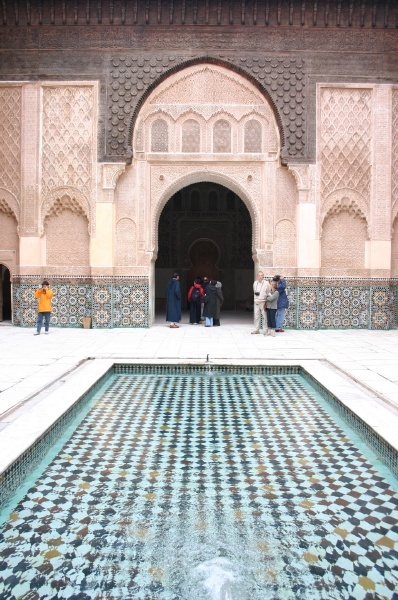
x=195, y=485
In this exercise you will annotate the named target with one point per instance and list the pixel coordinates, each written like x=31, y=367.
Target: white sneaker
x=273, y=332
x=255, y=332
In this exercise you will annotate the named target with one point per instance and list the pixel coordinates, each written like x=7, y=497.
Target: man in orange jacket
x=44, y=295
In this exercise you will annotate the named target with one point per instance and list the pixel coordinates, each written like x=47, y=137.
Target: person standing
x=210, y=303
x=283, y=302
x=261, y=288
x=272, y=302
x=219, y=302
x=195, y=294
x=173, y=301
x=44, y=296
x=204, y=283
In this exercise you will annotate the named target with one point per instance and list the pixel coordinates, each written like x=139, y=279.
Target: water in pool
x=221, y=487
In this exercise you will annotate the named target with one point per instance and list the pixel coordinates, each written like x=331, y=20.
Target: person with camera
x=44, y=296
x=261, y=288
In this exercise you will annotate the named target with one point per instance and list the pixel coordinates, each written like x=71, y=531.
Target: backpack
x=195, y=295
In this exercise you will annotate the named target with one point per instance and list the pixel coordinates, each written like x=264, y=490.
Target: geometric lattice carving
x=350, y=202
x=344, y=235
x=343, y=199
x=285, y=244
x=126, y=243
x=68, y=138
x=190, y=136
x=65, y=203
x=67, y=238
x=5, y=208
x=66, y=199
x=10, y=139
x=345, y=143
x=252, y=136
x=394, y=182
x=222, y=136
x=159, y=138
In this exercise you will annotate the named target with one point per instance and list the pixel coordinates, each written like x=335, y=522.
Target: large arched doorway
x=5, y=294
x=205, y=229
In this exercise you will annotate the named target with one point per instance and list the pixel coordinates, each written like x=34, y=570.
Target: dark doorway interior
x=206, y=229
x=5, y=294
x=204, y=256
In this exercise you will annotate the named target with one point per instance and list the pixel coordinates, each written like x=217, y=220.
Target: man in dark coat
x=210, y=302
x=173, y=301
x=220, y=300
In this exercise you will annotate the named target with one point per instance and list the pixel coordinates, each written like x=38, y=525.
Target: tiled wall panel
x=124, y=302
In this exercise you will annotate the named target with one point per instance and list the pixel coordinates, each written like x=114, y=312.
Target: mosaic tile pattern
x=307, y=307
x=124, y=302
x=109, y=302
x=185, y=487
x=383, y=307
x=341, y=307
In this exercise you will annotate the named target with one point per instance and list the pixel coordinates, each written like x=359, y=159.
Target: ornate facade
x=139, y=137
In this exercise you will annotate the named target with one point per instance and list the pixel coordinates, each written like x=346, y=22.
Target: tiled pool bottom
x=205, y=487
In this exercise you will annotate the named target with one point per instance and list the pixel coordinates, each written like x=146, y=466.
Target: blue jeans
x=46, y=316
x=280, y=317
x=209, y=322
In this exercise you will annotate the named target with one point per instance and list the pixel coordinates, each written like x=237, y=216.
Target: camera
x=256, y=293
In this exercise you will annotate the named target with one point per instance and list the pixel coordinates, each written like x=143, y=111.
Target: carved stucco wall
x=126, y=243
x=394, y=185
x=343, y=242
x=68, y=146
x=345, y=174
x=204, y=96
x=285, y=244
x=10, y=139
x=286, y=199
x=394, y=249
x=131, y=78
x=10, y=174
x=9, y=240
x=207, y=94
x=67, y=236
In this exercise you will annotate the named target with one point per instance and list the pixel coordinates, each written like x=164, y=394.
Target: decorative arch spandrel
x=68, y=198
x=9, y=204
x=244, y=181
x=348, y=200
x=208, y=93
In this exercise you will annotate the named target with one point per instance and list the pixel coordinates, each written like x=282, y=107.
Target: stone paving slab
x=29, y=364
